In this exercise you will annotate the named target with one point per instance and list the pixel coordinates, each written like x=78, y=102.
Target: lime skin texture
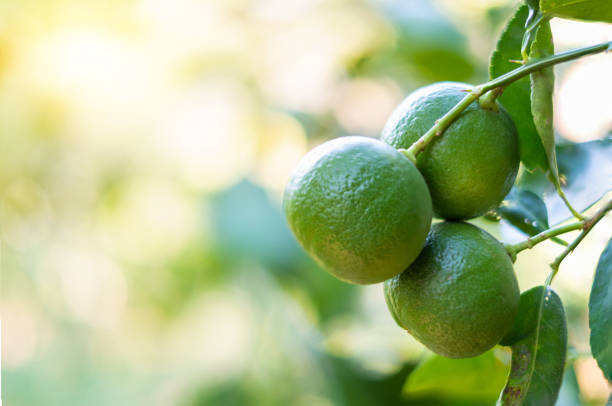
x=471, y=167
x=460, y=296
x=360, y=208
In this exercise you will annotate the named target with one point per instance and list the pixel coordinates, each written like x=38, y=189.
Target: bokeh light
x=144, y=147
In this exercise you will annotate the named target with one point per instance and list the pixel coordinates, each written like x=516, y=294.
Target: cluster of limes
x=364, y=212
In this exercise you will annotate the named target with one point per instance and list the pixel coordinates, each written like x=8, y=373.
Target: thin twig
x=501, y=81
x=587, y=226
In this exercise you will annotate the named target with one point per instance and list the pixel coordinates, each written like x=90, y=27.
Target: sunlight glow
x=209, y=135
x=94, y=288
x=584, y=102
x=283, y=143
x=21, y=330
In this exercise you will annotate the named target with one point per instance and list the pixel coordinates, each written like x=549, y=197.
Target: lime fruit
x=460, y=296
x=472, y=166
x=360, y=208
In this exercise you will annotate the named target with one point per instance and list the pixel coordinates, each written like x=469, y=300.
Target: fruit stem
x=443, y=123
x=487, y=101
x=587, y=225
x=408, y=154
x=499, y=82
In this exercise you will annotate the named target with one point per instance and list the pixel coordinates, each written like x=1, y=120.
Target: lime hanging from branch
x=472, y=165
x=360, y=208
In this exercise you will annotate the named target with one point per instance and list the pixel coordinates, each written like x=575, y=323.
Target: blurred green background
x=144, y=145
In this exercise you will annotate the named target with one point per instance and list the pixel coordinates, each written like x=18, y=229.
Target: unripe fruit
x=460, y=296
x=360, y=208
x=471, y=167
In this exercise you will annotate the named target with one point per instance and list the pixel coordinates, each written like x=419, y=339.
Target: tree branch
x=445, y=121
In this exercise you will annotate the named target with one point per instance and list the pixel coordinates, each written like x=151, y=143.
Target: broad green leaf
x=539, y=346
x=525, y=211
x=591, y=10
x=516, y=98
x=459, y=378
x=534, y=5
x=586, y=173
x=542, y=85
x=600, y=313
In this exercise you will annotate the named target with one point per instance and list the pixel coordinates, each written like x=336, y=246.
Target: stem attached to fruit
x=499, y=82
x=585, y=225
x=487, y=100
x=441, y=124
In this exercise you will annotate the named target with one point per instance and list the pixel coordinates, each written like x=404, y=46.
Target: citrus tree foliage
x=539, y=337
x=444, y=298
x=146, y=258
x=600, y=316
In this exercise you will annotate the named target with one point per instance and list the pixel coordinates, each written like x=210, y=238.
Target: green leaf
x=542, y=85
x=539, y=347
x=600, y=313
x=516, y=98
x=533, y=19
x=525, y=211
x=586, y=173
x=591, y=10
x=459, y=378
x=534, y=5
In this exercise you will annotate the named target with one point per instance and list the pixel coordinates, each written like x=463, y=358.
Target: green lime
x=360, y=208
x=460, y=296
x=472, y=166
